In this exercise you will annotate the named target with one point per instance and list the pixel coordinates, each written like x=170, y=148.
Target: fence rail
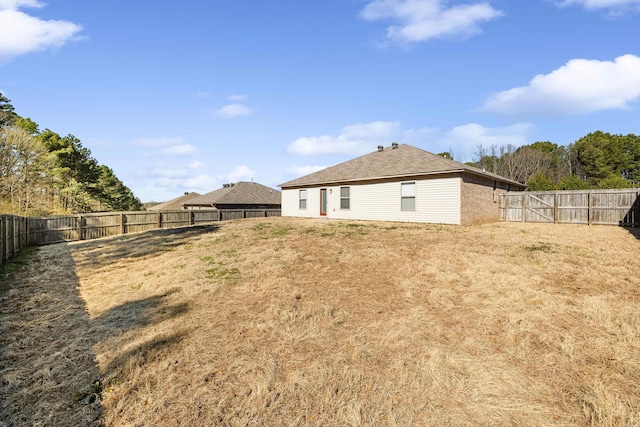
x=17, y=232
x=598, y=207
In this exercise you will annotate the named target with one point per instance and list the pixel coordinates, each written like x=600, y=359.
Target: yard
x=284, y=321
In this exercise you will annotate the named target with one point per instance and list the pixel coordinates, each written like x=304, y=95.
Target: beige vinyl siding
x=437, y=201
x=291, y=202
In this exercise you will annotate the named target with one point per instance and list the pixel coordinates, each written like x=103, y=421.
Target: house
x=398, y=183
x=239, y=195
x=174, y=204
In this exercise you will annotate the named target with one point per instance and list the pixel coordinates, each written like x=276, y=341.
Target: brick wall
x=480, y=199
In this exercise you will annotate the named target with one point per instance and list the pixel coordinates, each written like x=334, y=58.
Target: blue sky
x=186, y=96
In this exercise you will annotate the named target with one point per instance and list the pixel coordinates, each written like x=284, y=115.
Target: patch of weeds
x=223, y=273
x=148, y=273
x=181, y=266
x=20, y=261
x=220, y=271
x=229, y=253
x=329, y=233
x=308, y=230
x=280, y=231
x=225, y=238
x=352, y=225
x=88, y=397
x=540, y=247
x=260, y=226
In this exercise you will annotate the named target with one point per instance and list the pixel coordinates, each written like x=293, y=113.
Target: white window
x=344, y=198
x=303, y=199
x=408, y=196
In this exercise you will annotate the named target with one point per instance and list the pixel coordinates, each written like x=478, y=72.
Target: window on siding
x=344, y=197
x=303, y=199
x=408, y=196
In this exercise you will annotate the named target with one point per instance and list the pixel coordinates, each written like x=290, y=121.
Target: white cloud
x=237, y=97
x=167, y=146
x=178, y=150
x=354, y=139
x=196, y=164
x=201, y=183
x=363, y=138
x=602, y=4
x=358, y=138
x=465, y=138
x=159, y=142
x=233, y=110
x=240, y=173
x=21, y=33
x=305, y=170
x=420, y=20
x=579, y=87
x=16, y=4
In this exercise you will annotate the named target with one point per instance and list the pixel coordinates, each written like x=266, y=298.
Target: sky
x=186, y=96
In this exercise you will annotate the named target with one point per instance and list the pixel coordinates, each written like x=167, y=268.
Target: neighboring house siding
x=436, y=201
x=480, y=200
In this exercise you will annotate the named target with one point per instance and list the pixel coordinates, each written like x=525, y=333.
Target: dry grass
x=304, y=322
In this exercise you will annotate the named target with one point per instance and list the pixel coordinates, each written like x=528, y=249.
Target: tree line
x=597, y=160
x=43, y=173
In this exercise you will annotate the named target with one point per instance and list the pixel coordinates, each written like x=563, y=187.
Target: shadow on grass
x=49, y=373
x=634, y=231
x=138, y=245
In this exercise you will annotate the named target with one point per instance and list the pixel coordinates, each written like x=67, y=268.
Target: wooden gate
x=539, y=207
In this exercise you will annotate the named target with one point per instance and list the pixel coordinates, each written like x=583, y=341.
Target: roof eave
x=372, y=178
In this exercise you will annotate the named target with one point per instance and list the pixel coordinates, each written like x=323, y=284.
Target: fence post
x=590, y=208
x=79, y=226
x=524, y=206
x=192, y=218
x=16, y=244
x=555, y=207
x=244, y=213
x=219, y=215
x=636, y=223
x=506, y=206
x=2, y=242
x=123, y=226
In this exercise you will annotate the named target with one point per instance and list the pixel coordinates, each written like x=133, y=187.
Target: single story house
x=398, y=183
x=174, y=204
x=239, y=195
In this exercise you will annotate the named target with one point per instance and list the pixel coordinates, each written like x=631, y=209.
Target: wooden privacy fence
x=14, y=235
x=17, y=232
x=603, y=207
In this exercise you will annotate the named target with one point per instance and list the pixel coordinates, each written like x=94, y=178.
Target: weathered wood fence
x=14, y=235
x=603, y=207
x=17, y=232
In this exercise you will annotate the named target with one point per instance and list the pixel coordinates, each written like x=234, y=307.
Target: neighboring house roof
x=387, y=163
x=240, y=193
x=174, y=204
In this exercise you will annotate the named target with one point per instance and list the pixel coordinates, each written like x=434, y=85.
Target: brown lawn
x=327, y=323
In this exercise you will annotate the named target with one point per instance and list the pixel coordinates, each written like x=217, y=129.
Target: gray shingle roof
x=174, y=204
x=240, y=193
x=403, y=161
